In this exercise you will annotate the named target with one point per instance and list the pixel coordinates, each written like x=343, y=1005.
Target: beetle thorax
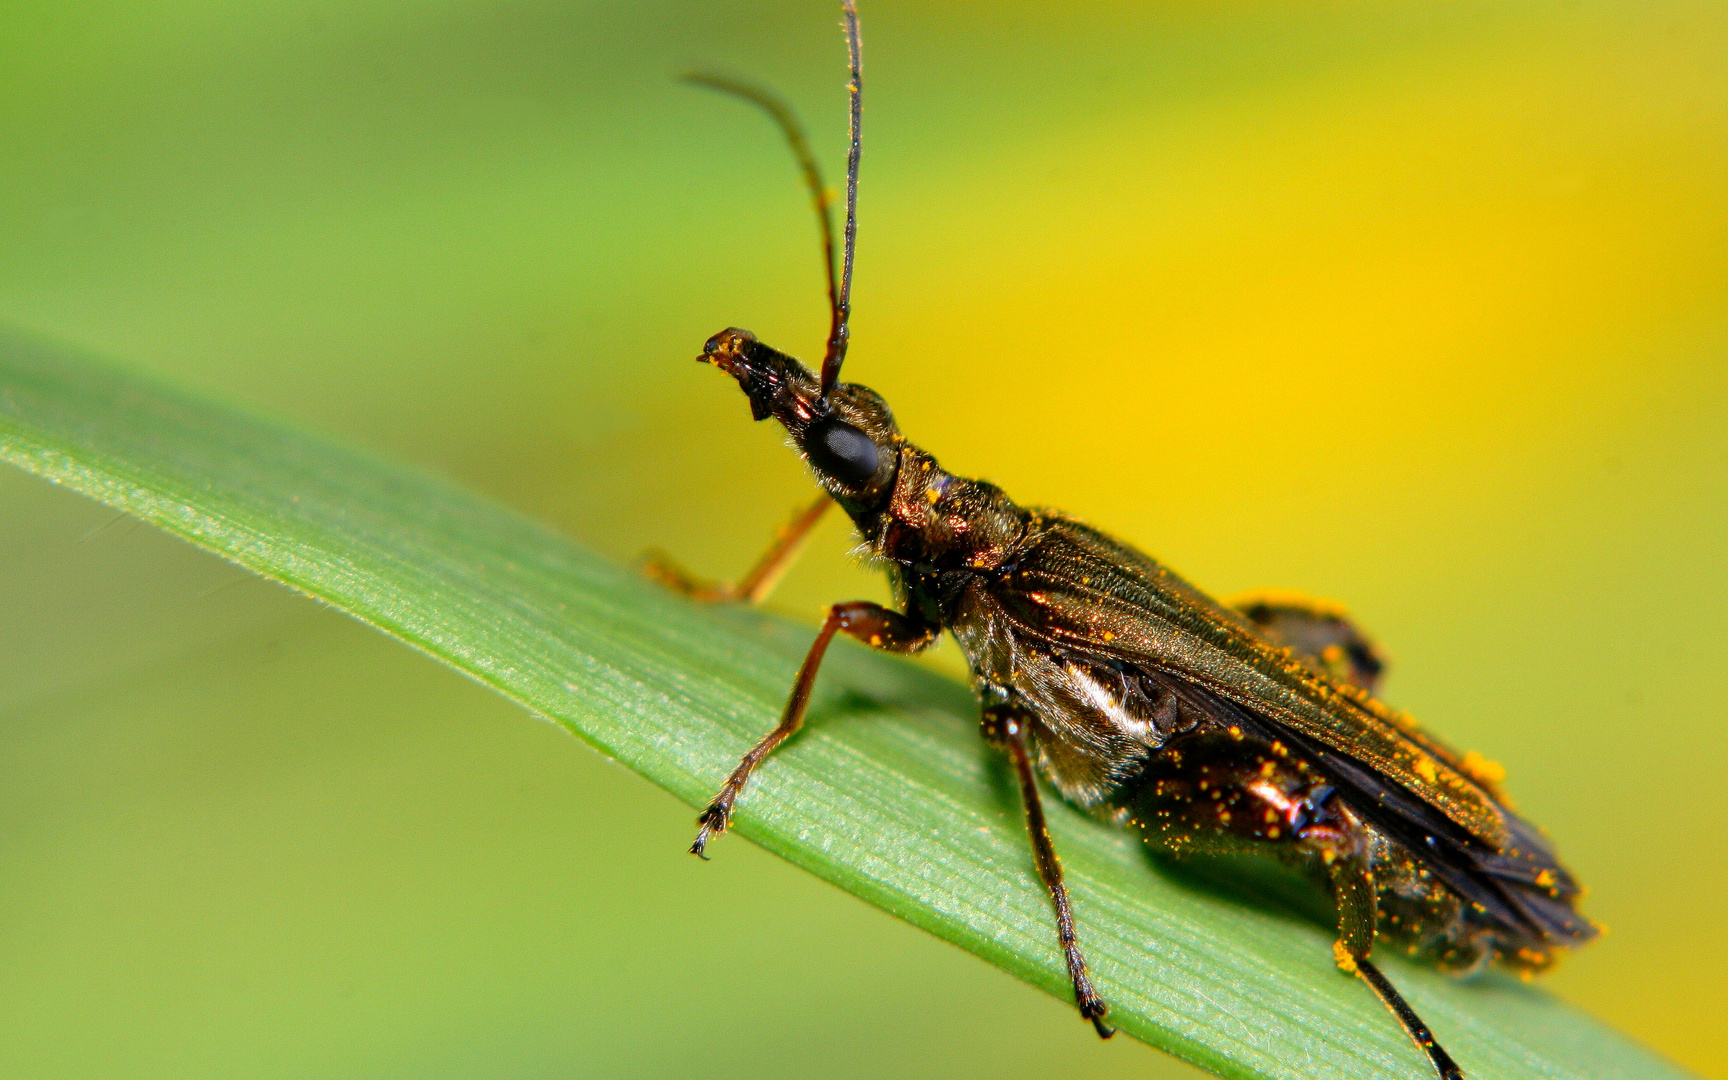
x=935, y=519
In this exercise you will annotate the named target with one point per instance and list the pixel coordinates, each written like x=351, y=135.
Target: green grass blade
x=889, y=794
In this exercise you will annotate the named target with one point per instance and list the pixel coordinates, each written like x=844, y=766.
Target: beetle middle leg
x=1006, y=728
x=873, y=624
x=754, y=586
x=1217, y=792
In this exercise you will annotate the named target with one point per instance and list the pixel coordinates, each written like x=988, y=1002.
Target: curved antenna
x=781, y=113
x=839, y=290
x=840, y=333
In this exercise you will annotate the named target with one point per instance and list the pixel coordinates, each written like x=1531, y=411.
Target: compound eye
x=841, y=451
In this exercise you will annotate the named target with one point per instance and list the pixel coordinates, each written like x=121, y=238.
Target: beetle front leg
x=754, y=586
x=1004, y=727
x=872, y=624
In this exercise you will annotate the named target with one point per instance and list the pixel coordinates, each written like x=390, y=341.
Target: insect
x=1206, y=727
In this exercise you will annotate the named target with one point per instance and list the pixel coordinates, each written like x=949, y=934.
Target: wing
x=1521, y=890
x=1081, y=593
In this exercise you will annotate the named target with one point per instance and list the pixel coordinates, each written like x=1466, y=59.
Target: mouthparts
x=776, y=384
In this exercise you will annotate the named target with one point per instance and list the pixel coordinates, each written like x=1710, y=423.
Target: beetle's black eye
x=840, y=450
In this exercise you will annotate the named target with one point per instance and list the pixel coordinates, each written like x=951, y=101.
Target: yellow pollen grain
x=1481, y=769
x=875, y=639
x=1235, y=732
x=1346, y=962
x=1108, y=636
x=932, y=494
x=1267, y=768
x=1272, y=833
x=1424, y=767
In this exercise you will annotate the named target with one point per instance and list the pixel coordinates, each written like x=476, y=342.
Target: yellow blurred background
x=1420, y=307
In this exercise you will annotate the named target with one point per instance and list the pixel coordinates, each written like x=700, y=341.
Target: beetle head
x=849, y=438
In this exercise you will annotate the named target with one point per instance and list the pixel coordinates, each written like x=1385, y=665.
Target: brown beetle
x=1209, y=728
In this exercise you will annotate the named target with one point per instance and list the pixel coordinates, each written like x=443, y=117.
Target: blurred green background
x=1424, y=308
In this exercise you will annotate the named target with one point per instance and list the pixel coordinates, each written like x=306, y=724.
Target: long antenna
x=781, y=113
x=839, y=332
x=839, y=290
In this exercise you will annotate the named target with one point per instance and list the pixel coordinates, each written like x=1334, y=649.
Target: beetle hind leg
x=1320, y=632
x=1407, y=1018
x=1217, y=792
x=1354, y=891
